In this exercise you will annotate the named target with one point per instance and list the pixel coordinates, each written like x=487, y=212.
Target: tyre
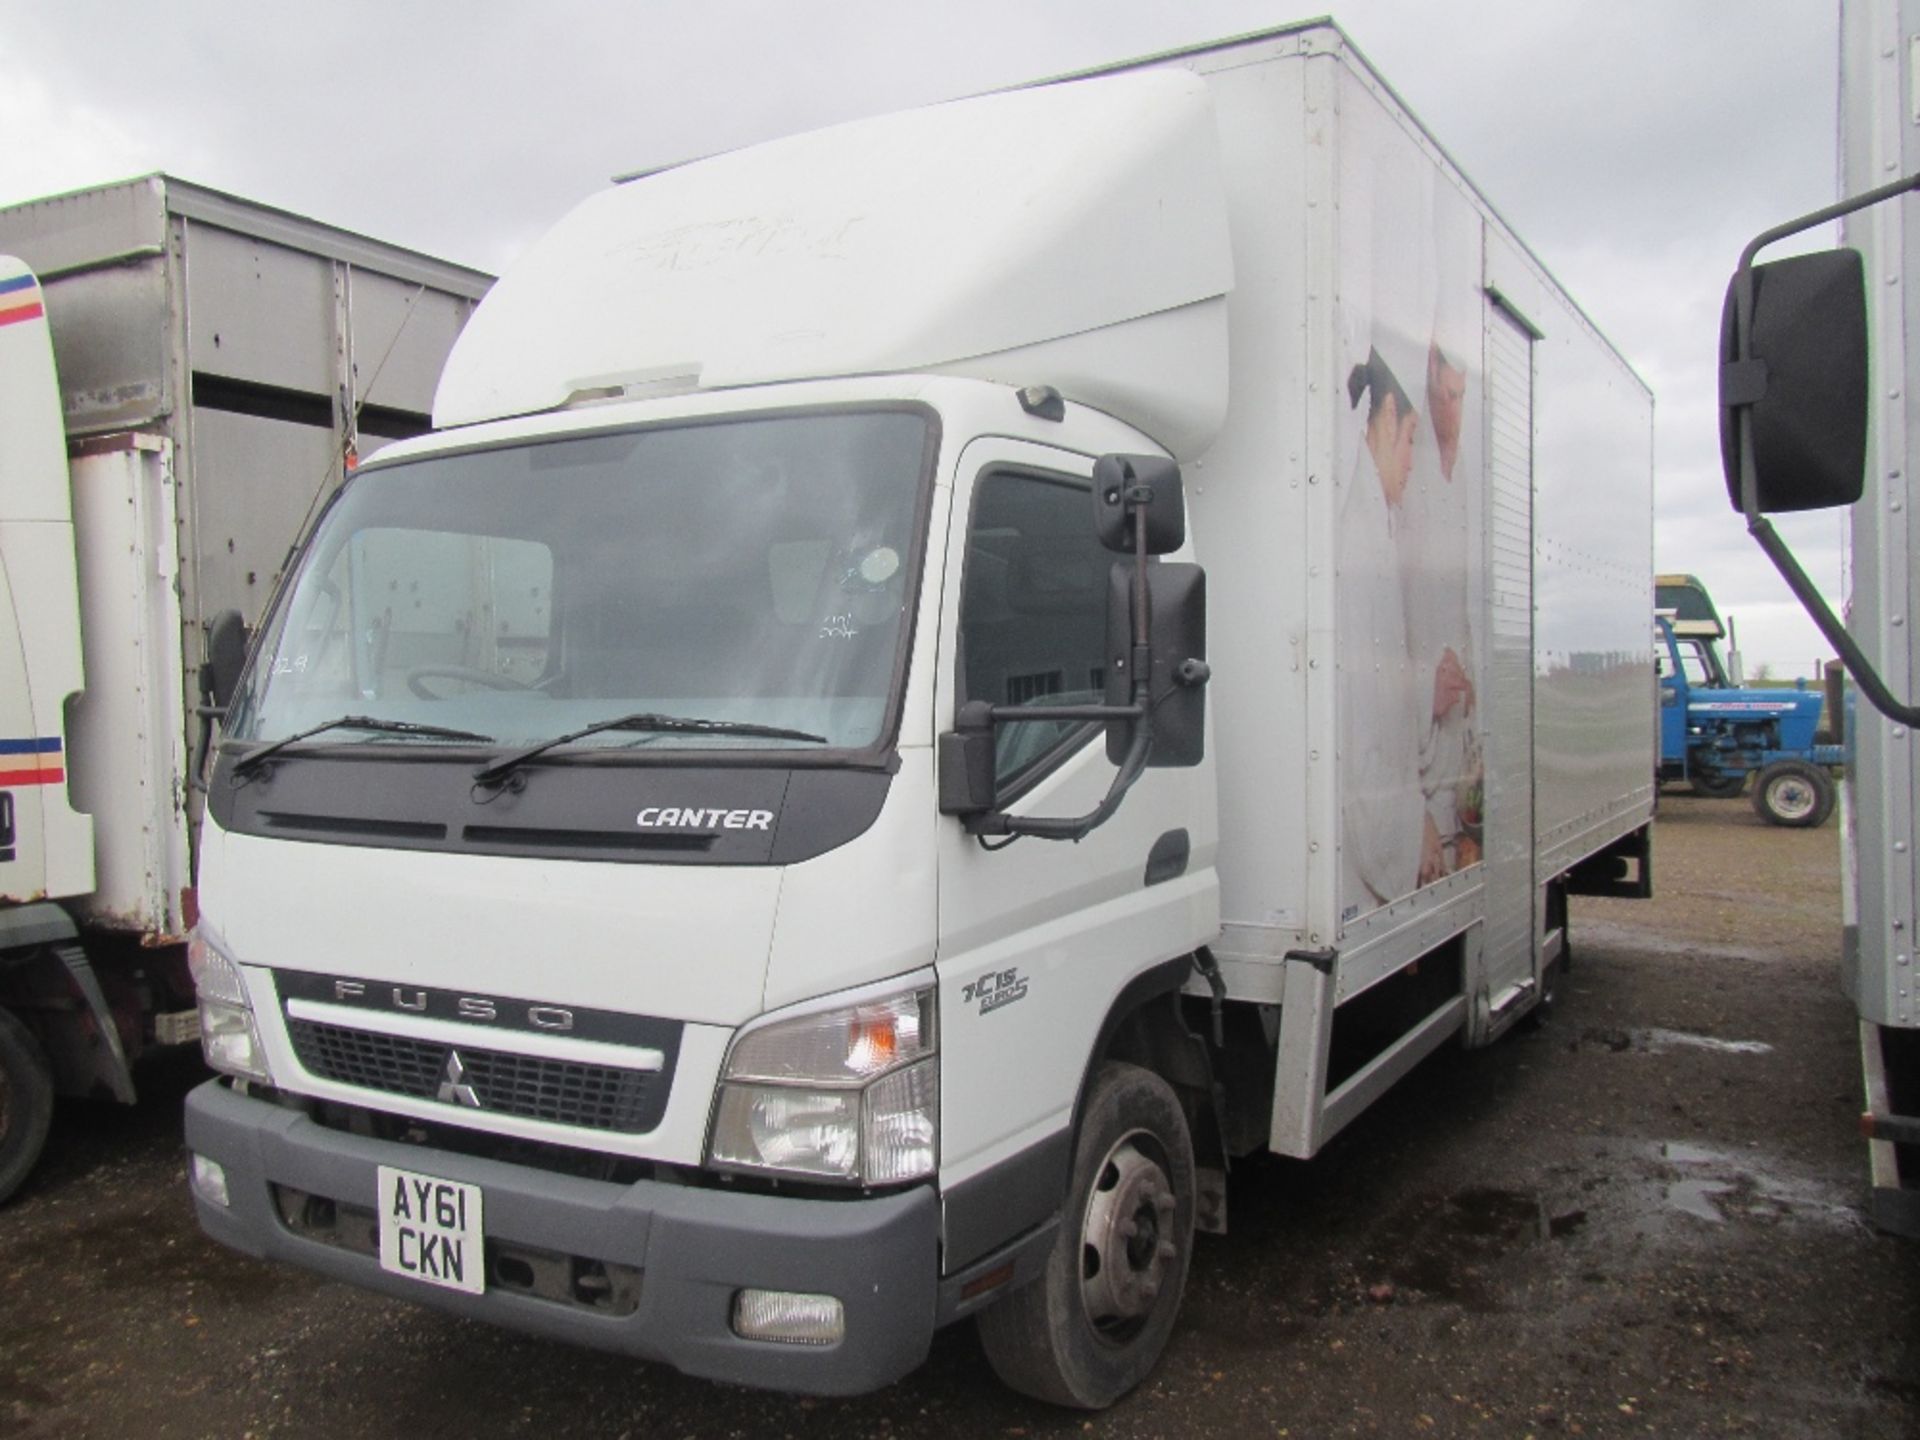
x=1794, y=793
x=1716, y=785
x=26, y=1102
x=1094, y=1323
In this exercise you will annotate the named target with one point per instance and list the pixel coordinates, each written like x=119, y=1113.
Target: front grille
x=532, y=1087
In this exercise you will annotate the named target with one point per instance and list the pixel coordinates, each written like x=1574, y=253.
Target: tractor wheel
x=1717, y=785
x=1794, y=793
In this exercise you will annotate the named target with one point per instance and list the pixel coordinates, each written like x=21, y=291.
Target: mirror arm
x=998, y=822
x=1018, y=714
x=1858, y=666
x=1823, y=216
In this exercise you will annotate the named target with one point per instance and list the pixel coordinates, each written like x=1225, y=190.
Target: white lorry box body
x=782, y=464
x=188, y=378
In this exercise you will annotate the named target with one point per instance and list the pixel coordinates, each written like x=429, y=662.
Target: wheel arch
x=48, y=982
x=1145, y=1026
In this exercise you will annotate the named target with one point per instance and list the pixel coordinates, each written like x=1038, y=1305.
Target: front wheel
x=26, y=1102
x=1093, y=1325
x=1718, y=785
x=1794, y=793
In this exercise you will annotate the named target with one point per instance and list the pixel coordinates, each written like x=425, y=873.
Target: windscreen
x=755, y=571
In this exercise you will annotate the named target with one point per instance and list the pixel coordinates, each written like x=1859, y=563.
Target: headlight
x=228, y=1037
x=851, y=1093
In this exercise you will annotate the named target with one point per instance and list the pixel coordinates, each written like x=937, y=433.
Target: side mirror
x=226, y=657
x=1798, y=365
x=1786, y=361
x=1141, y=491
x=1176, y=686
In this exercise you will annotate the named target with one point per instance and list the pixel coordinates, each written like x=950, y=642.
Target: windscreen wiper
x=250, y=763
x=640, y=720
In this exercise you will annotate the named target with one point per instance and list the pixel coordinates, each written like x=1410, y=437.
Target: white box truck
x=1819, y=410
x=710, y=858
x=219, y=362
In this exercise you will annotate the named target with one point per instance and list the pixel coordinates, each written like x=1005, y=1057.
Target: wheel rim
x=1791, y=798
x=1128, y=1242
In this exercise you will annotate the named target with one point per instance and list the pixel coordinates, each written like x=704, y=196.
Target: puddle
x=1456, y=1247
x=1485, y=1213
x=1683, y=1154
x=1697, y=1197
x=1718, y=1185
x=1658, y=1040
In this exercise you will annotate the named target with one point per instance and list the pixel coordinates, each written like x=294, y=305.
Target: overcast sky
x=1636, y=145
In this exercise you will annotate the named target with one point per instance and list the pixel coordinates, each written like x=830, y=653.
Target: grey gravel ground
x=1645, y=1218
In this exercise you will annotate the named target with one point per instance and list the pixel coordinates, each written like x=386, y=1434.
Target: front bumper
x=693, y=1248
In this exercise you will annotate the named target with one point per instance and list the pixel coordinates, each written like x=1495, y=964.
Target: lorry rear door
x=1512, y=895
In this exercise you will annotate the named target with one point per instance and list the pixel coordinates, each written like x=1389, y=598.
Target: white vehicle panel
x=811, y=256
x=677, y=942
x=129, y=727
x=53, y=842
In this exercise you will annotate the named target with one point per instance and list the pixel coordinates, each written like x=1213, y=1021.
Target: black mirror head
x=1177, y=604
x=226, y=657
x=1130, y=490
x=1801, y=369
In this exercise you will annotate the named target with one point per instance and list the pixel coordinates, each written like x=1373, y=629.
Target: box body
x=220, y=363
x=1360, y=252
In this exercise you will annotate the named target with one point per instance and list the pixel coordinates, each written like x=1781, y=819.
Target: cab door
x=1037, y=938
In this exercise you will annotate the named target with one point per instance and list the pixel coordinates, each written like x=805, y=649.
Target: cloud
x=1636, y=146
x=58, y=141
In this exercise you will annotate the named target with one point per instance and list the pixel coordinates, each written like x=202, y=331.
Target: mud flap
x=64, y=1004
x=93, y=1055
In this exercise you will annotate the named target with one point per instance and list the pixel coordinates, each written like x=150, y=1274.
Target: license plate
x=430, y=1230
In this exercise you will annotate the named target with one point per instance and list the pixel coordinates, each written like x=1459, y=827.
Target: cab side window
x=1033, y=613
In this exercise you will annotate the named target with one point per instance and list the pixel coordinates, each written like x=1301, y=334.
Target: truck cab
x=741, y=995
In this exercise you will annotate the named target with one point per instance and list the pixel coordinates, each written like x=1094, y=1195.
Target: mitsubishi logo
x=454, y=1089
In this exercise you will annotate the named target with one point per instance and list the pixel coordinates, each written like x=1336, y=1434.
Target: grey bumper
x=695, y=1247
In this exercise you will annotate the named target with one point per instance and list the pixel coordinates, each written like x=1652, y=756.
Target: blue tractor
x=1714, y=733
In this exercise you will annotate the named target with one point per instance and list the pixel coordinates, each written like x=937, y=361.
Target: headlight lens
x=846, y=1094
x=228, y=1037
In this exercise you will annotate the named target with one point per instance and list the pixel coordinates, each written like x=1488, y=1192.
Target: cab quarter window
x=1033, y=611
